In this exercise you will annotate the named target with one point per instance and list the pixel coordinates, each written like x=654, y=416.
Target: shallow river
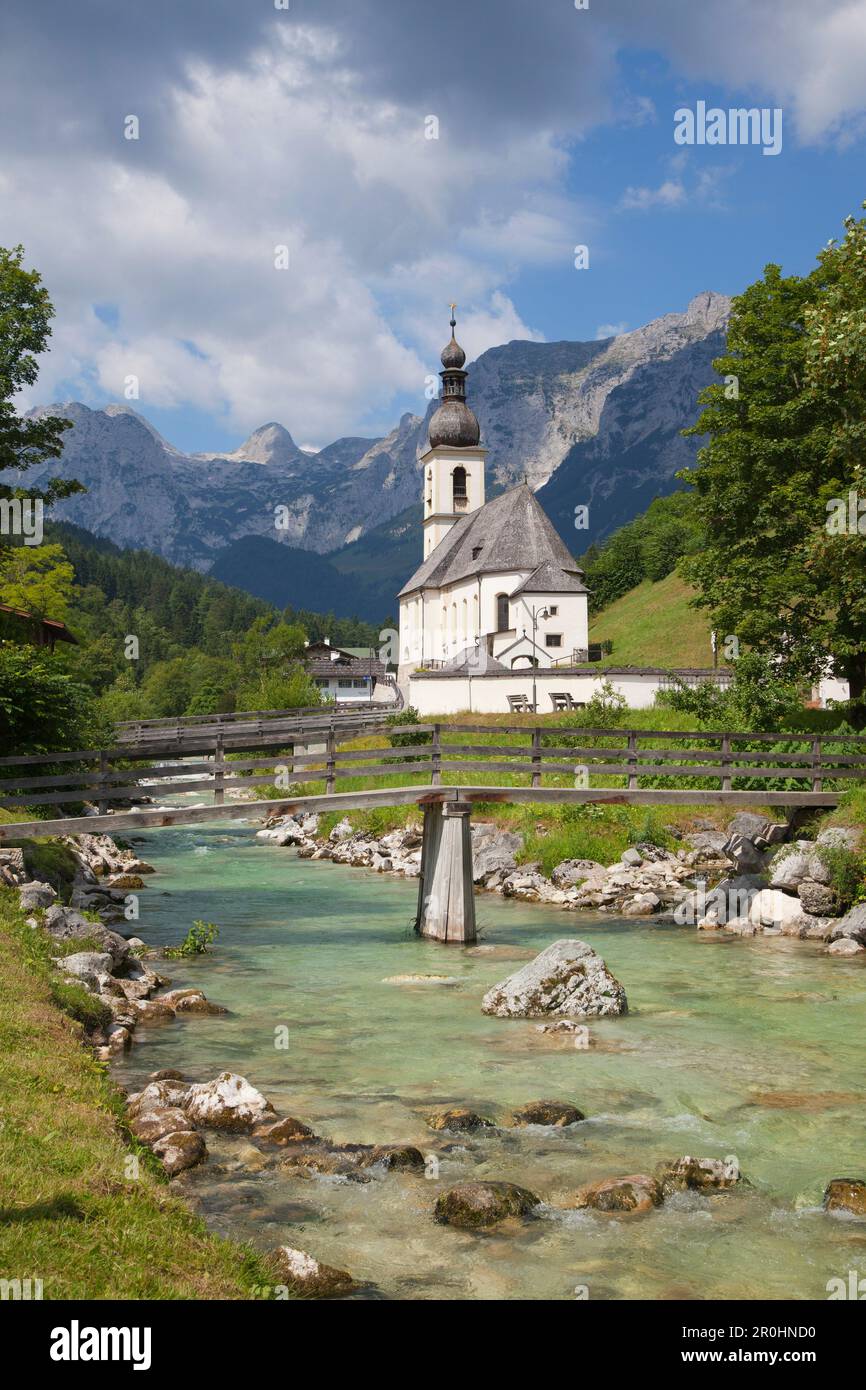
x=731, y=1047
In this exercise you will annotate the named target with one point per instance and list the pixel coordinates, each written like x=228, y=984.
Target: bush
x=196, y=942
x=847, y=871
x=757, y=698
x=606, y=708
x=409, y=715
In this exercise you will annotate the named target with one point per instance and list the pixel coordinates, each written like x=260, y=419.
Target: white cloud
x=807, y=57
x=668, y=195
x=383, y=228
x=610, y=330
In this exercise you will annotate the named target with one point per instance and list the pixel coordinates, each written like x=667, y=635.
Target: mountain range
x=587, y=423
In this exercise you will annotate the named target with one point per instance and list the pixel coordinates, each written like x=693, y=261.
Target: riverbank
x=755, y=876
x=86, y=1210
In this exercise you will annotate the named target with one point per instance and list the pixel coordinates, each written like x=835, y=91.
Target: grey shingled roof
x=551, y=578
x=511, y=532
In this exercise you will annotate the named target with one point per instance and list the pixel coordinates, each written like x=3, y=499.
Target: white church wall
x=569, y=621
x=439, y=624
x=433, y=696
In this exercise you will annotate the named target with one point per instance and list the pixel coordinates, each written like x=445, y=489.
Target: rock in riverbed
x=307, y=1277
x=285, y=1131
x=547, y=1112
x=473, y=1205
x=853, y=925
x=459, y=1120
x=156, y=1124
x=637, y=1192
x=189, y=1001
x=180, y=1150
x=228, y=1103
x=700, y=1174
x=568, y=978
x=846, y=1194
x=845, y=946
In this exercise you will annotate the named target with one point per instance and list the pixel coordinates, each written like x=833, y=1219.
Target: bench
x=518, y=704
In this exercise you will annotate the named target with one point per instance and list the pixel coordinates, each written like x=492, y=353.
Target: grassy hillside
x=653, y=625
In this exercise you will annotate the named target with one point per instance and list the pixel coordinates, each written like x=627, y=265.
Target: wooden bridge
x=199, y=733
x=445, y=771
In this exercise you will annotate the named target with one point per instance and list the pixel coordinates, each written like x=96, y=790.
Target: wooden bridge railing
x=136, y=730
x=448, y=754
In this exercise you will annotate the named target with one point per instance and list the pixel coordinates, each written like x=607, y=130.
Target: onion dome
x=453, y=423
x=453, y=354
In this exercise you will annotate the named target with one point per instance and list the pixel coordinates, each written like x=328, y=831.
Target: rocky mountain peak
x=269, y=444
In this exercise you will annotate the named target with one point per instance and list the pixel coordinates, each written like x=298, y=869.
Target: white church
x=496, y=616
x=497, y=591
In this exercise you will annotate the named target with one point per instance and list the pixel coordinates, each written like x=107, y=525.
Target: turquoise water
x=732, y=1047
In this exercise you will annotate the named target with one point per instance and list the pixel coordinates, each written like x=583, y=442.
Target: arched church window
x=501, y=612
x=459, y=481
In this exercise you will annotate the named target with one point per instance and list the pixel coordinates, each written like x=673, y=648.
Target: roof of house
x=348, y=668
x=511, y=532
x=52, y=629
x=551, y=578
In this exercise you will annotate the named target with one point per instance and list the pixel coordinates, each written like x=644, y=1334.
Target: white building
x=348, y=674
x=497, y=590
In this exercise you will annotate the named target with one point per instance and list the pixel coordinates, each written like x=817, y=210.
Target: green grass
x=71, y=1214
x=654, y=625
x=590, y=831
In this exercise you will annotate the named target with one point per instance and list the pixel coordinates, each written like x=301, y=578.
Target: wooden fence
x=310, y=753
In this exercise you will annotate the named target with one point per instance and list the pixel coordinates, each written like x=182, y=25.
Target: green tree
x=766, y=569
x=269, y=646
x=25, y=318
x=38, y=579
x=42, y=710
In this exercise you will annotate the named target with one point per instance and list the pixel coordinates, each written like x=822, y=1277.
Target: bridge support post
x=446, y=901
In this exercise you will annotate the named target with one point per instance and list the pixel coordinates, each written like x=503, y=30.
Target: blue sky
x=306, y=129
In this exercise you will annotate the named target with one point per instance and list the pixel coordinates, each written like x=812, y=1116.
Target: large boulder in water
x=568, y=978
x=152, y=1125
x=471, y=1205
x=159, y=1095
x=228, y=1103
x=699, y=1174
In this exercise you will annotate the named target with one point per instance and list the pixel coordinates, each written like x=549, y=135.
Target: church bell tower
x=454, y=463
